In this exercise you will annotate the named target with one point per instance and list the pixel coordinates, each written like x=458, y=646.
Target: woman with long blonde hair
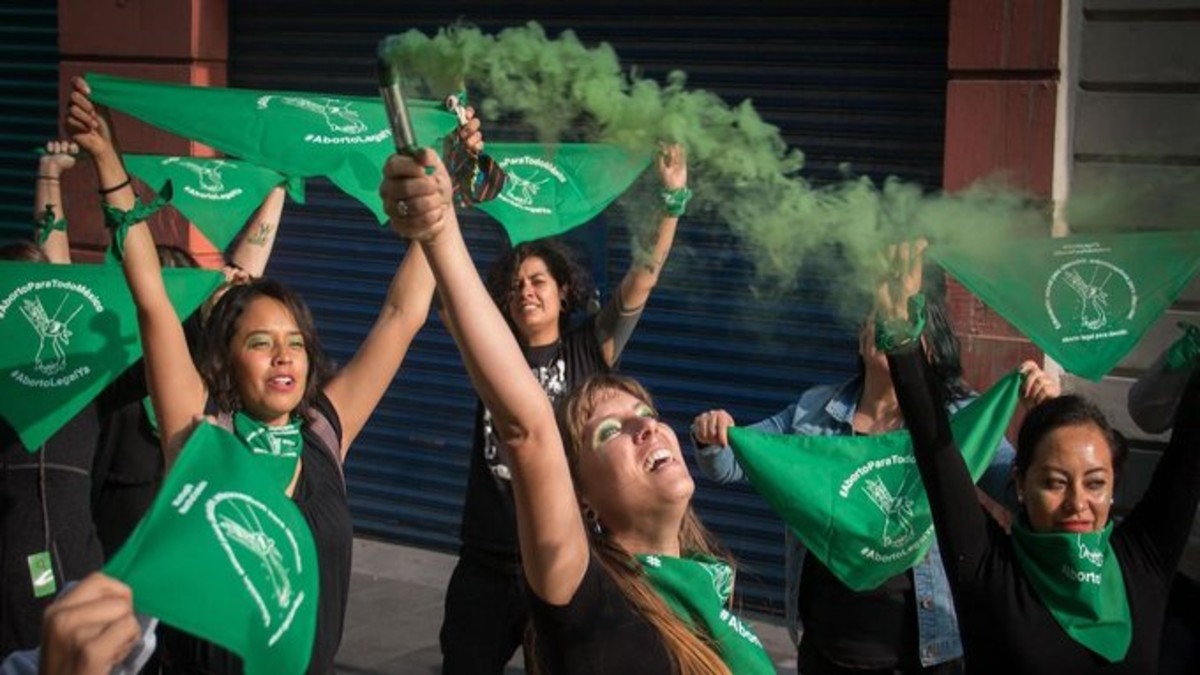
x=622, y=577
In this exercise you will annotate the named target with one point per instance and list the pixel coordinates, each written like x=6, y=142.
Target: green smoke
x=741, y=170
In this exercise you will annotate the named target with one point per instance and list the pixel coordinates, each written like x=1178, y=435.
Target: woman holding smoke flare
x=1066, y=591
x=538, y=287
x=598, y=552
x=260, y=364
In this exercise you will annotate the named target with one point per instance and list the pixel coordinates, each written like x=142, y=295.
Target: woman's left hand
x=671, y=165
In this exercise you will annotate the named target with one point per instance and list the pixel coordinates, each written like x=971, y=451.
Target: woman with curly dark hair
x=262, y=373
x=538, y=288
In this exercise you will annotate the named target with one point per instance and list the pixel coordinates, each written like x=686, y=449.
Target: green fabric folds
x=697, y=589
x=857, y=502
x=68, y=331
x=277, y=449
x=217, y=195
x=1184, y=353
x=551, y=189
x=1085, y=300
x=1079, y=579
x=119, y=221
x=223, y=554
x=344, y=138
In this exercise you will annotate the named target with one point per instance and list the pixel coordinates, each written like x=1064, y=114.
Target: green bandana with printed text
x=344, y=138
x=68, y=331
x=217, y=195
x=551, y=189
x=1085, y=300
x=1078, y=578
x=857, y=502
x=278, y=448
x=697, y=589
x=223, y=554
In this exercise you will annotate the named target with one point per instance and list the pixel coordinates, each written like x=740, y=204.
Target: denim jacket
x=828, y=410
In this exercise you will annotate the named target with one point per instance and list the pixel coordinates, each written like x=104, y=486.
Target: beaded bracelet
x=897, y=334
x=675, y=201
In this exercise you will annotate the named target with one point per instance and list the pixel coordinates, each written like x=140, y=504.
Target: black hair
x=23, y=251
x=1065, y=411
x=574, y=283
x=222, y=324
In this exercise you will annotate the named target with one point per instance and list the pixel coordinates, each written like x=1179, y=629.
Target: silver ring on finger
x=401, y=208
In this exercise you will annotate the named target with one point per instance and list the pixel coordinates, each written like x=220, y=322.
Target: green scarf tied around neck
x=1078, y=578
x=697, y=589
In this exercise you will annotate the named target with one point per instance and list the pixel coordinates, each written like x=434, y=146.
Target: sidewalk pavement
x=396, y=610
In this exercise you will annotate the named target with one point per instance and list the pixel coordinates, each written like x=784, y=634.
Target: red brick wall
x=1000, y=116
x=183, y=41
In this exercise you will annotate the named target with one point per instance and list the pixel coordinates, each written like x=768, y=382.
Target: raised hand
x=59, y=158
x=902, y=279
x=88, y=123
x=671, y=166
x=712, y=428
x=90, y=629
x=1038, y=385
x=417, y=203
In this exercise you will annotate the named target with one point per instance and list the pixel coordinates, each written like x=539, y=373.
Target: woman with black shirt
x=1066, y=592
x=611, y=600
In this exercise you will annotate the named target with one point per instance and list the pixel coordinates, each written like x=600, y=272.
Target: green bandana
x=278, y=448
x=119, y=221
x=1086, y=300
x=857, y=502
x=68, y=331
x=1078, y=578
x=217, y=195
x=551, y=189
x=344, y=138
x=697, y=589
x=47, y=224
x=224, y=555
x=1185, y=352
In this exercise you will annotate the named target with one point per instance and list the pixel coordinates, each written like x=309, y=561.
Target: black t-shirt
x=58, y=479
x=321, y=497
x=128, y=469
x=596, y=632
x=489, y=521
x=873, y=629
x=1005, y=626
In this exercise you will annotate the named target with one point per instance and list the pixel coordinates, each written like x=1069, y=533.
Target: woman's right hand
x=88, y=123
x=712, y=428
x=418, y=204
x=1037, y=385
x=90, y=629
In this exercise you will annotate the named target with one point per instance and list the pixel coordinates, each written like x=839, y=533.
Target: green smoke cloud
x=741, y=170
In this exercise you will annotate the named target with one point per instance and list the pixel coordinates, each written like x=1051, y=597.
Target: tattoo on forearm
x=261, y=233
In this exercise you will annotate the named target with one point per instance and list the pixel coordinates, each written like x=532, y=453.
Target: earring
x=1020, y=497
x=593, y=520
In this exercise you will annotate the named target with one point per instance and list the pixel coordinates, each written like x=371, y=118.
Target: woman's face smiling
x=631, y=467
x=270, y=361
x=1069, y=485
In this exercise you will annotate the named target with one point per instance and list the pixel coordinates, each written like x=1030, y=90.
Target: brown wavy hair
x=692, y=652
x=222, y=323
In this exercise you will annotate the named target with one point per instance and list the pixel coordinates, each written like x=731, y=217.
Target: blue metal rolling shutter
x=848, y=81
x=28, y=105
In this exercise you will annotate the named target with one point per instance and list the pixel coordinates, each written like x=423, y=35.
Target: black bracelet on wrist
x=45, y=177
x=118, y=186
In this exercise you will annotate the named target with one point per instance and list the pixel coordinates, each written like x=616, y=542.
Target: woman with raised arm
x=262, y=371
x=538, y=288
x=621, y=576
x=49, y=214
x=1067, y=591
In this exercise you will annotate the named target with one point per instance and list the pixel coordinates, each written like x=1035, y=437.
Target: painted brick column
x=1000, y=116
x=181, y=41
